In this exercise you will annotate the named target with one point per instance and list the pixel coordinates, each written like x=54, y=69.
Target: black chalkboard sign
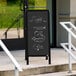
x=38, y=41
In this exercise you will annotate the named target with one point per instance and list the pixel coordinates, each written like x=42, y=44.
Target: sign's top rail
x=35, y=6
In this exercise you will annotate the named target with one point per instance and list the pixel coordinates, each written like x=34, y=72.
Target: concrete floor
x=58, y=56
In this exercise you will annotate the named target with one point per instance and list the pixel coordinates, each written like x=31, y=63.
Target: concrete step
x=47, y=70
x=38, y=65
x=58, y=74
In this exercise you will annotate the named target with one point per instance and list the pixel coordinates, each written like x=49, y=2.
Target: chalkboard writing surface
x=38, y=32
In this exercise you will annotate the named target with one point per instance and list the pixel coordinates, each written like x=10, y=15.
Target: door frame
x=54, y=42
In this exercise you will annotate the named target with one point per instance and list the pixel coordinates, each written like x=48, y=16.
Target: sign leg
x=49, y=58
x=46, y=57
x=27, y=61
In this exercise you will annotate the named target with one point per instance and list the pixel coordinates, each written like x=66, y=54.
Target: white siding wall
x=72, y=7
x=73, y=15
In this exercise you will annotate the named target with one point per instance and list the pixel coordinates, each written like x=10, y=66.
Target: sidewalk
x=12, y=33
x=37, y=64
x=58, y=57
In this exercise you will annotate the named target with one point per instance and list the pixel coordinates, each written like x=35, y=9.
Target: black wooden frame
x=26, y=37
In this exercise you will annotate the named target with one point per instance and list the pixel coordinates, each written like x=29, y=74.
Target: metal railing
x=69, y=46
x=17, y=66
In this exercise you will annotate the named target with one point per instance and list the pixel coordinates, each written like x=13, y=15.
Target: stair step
x=49, y=70
x=58, y=74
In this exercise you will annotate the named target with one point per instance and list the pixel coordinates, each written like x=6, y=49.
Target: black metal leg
x=27, y=61
x=49, y=58
x=25, y=56
x=46, y=57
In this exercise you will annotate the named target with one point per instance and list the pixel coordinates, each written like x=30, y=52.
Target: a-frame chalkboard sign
x=37, y=34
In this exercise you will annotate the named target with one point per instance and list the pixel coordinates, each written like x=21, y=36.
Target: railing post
x=68, y=49
x=16, y=71
x=69, y=56
x=5, y=35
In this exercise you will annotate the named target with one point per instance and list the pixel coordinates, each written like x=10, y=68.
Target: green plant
x=9, y=16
